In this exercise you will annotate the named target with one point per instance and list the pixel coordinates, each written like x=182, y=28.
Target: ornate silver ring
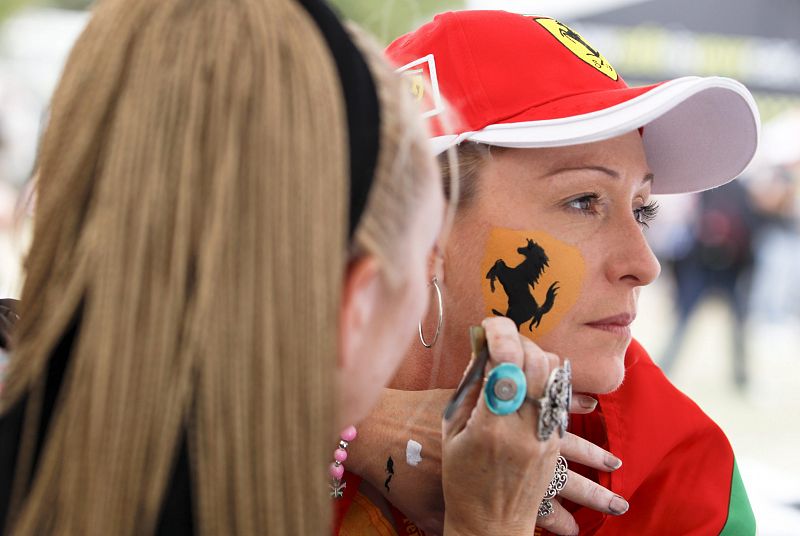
x=554, y=405
x=545, y=508
x=559, y=479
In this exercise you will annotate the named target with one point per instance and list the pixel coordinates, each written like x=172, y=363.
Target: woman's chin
x=597, y=357
x=598, y=375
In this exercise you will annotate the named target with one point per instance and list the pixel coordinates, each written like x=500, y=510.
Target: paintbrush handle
x=480, y=356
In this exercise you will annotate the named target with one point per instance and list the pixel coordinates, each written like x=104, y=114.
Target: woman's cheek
x=532, y=278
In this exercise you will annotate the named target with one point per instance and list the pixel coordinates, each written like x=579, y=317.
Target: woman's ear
x=436, y=262
x=361, y=296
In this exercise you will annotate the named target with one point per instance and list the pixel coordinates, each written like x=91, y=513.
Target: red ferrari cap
x=526, y=81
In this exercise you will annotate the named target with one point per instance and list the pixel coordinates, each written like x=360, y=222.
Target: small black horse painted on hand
x=519, y=282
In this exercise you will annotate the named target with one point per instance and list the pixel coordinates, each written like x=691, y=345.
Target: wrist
x=374, y=436
x=453, y=527
x=462, y=526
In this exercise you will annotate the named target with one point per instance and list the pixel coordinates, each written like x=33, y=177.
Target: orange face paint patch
x=531, y=278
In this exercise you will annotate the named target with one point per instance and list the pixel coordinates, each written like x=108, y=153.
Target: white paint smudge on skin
x=413, y=453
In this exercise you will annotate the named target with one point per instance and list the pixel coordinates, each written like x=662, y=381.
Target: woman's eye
x=646, y=214
x=584, y=203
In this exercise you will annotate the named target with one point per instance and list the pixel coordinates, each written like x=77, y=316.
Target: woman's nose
x=632, y=260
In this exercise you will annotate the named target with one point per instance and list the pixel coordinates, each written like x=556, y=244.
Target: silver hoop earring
x=435, y=283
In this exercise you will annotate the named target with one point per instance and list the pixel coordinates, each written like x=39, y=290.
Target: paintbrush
x=480, y=356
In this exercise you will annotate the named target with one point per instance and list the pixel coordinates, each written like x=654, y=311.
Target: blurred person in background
x=8, y=197
x=776, y=287
x=558, y=159
x=718, y=258
x=19, y=122
x=7, y=203
x=230, y=255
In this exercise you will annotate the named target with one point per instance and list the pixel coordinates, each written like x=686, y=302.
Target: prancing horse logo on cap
x=578, y=46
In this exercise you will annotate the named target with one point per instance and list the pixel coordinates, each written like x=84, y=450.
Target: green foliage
x=7, y=7
x=388, y=19
x=70, y=4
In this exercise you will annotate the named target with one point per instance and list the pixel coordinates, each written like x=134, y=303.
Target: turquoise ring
x=505, y=389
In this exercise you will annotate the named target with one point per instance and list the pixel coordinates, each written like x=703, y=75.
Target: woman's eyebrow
x=602, y=169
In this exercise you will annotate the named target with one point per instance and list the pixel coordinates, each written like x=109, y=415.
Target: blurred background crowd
x=723, y=321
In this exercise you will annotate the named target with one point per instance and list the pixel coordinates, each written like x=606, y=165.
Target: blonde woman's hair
x=191, y=230
x=403, y=170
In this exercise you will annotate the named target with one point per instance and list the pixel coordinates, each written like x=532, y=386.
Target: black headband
x=361, y=101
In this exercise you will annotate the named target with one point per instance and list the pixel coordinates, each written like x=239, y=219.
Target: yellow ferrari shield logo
x=578, y=46
x=417, y=83
x=420, y=75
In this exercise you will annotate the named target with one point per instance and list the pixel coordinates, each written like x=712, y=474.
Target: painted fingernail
x=586, y=402
x=618, y=505
x=612, y=462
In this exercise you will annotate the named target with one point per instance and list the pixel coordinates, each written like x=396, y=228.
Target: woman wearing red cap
x=558, y=161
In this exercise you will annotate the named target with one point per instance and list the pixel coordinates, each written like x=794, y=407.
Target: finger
x=585, y=492
x=537, y=368
x=505, y=347
x=502, y=346
x=540, y=364
x=559, y=522
x=504, y=341
x=582, y=404
x=536, y=371
x=577, y=449
x=553, y=362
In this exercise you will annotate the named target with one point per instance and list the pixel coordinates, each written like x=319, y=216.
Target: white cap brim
x=699, y=132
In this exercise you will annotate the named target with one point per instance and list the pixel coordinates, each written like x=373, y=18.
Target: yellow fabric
x=365, y=519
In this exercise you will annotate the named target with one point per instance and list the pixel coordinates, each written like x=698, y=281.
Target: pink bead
x=337, y=472
x=349, y=433
x=340, y=455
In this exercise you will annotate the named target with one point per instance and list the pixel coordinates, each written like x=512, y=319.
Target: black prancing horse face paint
x=530, y=277
x=519, y=281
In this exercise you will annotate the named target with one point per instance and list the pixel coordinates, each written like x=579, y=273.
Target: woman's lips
x=617, y=324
